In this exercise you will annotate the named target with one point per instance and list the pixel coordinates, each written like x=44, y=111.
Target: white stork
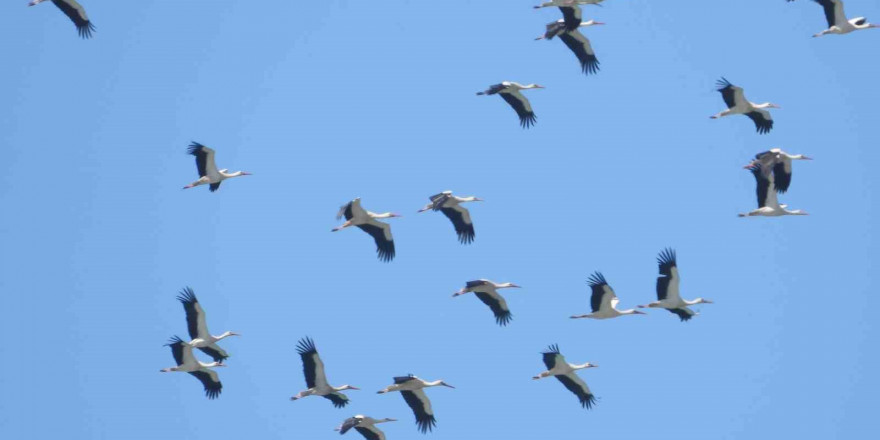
x=576, y=42
x=366, y=426
x=510, y=92
x=768, y=205
x=196, y=323
x=75, y=12
x=450, y=206
x=737, y=104
x=779, y=163
x=411, y=388
x=568, y=3
x=187, y=363
x=208, y=172
x=565, y=373
x=367, y=221
x=313, y=369
x=667, y=288
x=603, y=301
x=837, y=22
x=487, y=292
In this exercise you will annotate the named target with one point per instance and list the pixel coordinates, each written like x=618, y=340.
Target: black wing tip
x=426, y=424
x=385, y=255
x=173, y=341
x=588, y=401
x=194, y=148
x=528, y=120
x=591, y=67
x=213, y=392
x=552, y=349
x=466, y=237
x=763, y=127
x=187, y=296
x=85, y=30
x=667, y=257
x=682, y=315
x=504, y=318
x=723, y=84
x=306, y=346
x=597, y=279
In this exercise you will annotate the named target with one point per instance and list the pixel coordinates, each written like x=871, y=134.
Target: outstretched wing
x=313, y=367
x=498, y=306
x=583, y=50
x=381, y=233
x=421, y=407
x=461, y=221
x=522, y=106
x=77, y=14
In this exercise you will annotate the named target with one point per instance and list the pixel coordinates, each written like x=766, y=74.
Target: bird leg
x=344, y=225
x=720, y=114
x=542, y=375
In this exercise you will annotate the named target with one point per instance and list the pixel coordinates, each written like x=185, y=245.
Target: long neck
x=210, y=365
x=582, y=366
x=224, y=335
x=383, y=421
x=384, y=215
x=467, y=199
x=434, y=383
x=694, y=302
x=764, y=105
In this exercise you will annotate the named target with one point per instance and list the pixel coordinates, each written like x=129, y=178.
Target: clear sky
x=330, y=100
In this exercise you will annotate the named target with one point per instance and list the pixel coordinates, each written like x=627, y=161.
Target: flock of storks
x=772, y=171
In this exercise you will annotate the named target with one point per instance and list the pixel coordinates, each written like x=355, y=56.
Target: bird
x=779, y=163
x=576, y=42
x=367, y=221
x=568, y=3
x=768, y=205
x=187, y=363
x=198, y=327
x=603, y=301
x=737, y=104
x=571, y=13
x=208, y=172
x=411, y=388
x=837, y=22
x=77, y=14
x=510, y=92
x=366, y=426
x=565, y=373
x=487, y=292
x=667, y=288
x=450, y=206
x=313, y=369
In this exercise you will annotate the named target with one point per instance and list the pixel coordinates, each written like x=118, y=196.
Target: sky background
x=326, y=101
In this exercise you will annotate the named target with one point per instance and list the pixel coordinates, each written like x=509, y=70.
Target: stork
x=568, y=3
x=487, y=292
x=313, y=369
x=779, y=163
x=367, y=221
x=837, y=22
x=75, y=12
x=603, y=301
x=768, y=205
x=412, y=390
x=366, y=426
x=450, y=206
x=667, y=289
x=196, y=323
x=737, y=104
x=576, y=42
x=510, y=92
x=187, y=363
x=565, y=373
x=208, y=172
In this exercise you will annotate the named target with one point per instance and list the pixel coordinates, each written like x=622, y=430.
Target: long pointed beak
x=353, y=388
x=448, y=386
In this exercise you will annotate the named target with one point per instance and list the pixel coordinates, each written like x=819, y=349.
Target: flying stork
x=779, y=163
x=576, y=42
x=768, y=205
x=568, y=3
x=837, y=22
x=411, y=388
x=667, y=288
x=313, y=369
x=565, y=373
x=366, y=426
x=355, y=215
x=603, y=301
x=737, y=104
x=510, y=92
x=75, y=12
x=187, y=363
x=450, y=206
x=487, y=292
x=196, y=323
x=208, y=172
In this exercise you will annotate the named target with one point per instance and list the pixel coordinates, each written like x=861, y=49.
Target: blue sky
x=327, y=101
